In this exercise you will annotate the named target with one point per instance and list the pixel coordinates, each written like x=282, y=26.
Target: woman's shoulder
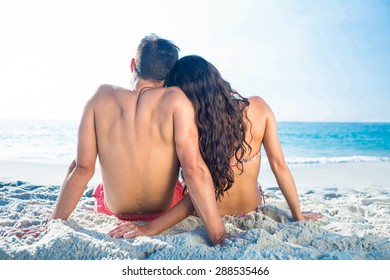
x=258, y=105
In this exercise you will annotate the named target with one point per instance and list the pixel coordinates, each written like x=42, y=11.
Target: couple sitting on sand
x=178, y=115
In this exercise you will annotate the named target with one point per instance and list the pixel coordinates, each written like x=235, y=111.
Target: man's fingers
x=24, y=232
x=312, y=216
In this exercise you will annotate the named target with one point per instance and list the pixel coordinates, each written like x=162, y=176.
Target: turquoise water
x=335, y=142
x=303, y=143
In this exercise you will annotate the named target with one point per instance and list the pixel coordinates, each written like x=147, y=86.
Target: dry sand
x=354, y=199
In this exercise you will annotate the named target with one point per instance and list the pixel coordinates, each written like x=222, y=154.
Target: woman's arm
x=175, y=215
x=278, y=164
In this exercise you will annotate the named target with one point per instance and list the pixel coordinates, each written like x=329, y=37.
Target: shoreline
x=342, y=175
x=38, y=173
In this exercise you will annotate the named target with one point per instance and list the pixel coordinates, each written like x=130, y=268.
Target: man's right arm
x=195, y=172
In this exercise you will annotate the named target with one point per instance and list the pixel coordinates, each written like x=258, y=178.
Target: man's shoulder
x=109, y=90
x=173, y=101
x=105, y=92
x=102, y=92
x=175, y=94
x=178, y=99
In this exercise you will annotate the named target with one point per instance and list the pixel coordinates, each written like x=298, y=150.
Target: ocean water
x=302, y=142
x=317, y=143
x=38, y=141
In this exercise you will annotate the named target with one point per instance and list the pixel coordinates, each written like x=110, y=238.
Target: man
x=142, y=136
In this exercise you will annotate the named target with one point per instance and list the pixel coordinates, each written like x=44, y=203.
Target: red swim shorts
x=101, y=205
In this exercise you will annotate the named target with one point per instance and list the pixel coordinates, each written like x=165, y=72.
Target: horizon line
x=278, y=121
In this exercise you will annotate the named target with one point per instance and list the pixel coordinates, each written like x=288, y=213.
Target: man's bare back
x=127, y=124
x=140, y=136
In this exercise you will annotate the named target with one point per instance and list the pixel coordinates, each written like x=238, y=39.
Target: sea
x=55, y=141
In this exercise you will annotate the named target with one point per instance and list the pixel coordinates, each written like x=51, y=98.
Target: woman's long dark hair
x=220, y=113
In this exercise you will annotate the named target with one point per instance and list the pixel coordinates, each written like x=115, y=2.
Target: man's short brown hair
x=155, y=58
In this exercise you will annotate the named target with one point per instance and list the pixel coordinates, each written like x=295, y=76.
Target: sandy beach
x=354, y=198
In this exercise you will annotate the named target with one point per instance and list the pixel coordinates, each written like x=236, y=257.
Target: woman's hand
x=128, y=229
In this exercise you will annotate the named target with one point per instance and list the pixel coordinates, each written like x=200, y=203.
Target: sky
x=309, y=60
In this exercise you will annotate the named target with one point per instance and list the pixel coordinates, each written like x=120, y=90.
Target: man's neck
x=138, y=85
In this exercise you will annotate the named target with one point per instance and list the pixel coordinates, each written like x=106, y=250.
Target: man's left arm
x=81, y=170
x=78, y=175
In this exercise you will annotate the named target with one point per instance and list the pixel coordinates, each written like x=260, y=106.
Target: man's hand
x=311, y=216
x=26, y=232
x=127, y=229
x=226, y=237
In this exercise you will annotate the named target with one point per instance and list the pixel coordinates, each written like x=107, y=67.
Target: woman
x=232, y=130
